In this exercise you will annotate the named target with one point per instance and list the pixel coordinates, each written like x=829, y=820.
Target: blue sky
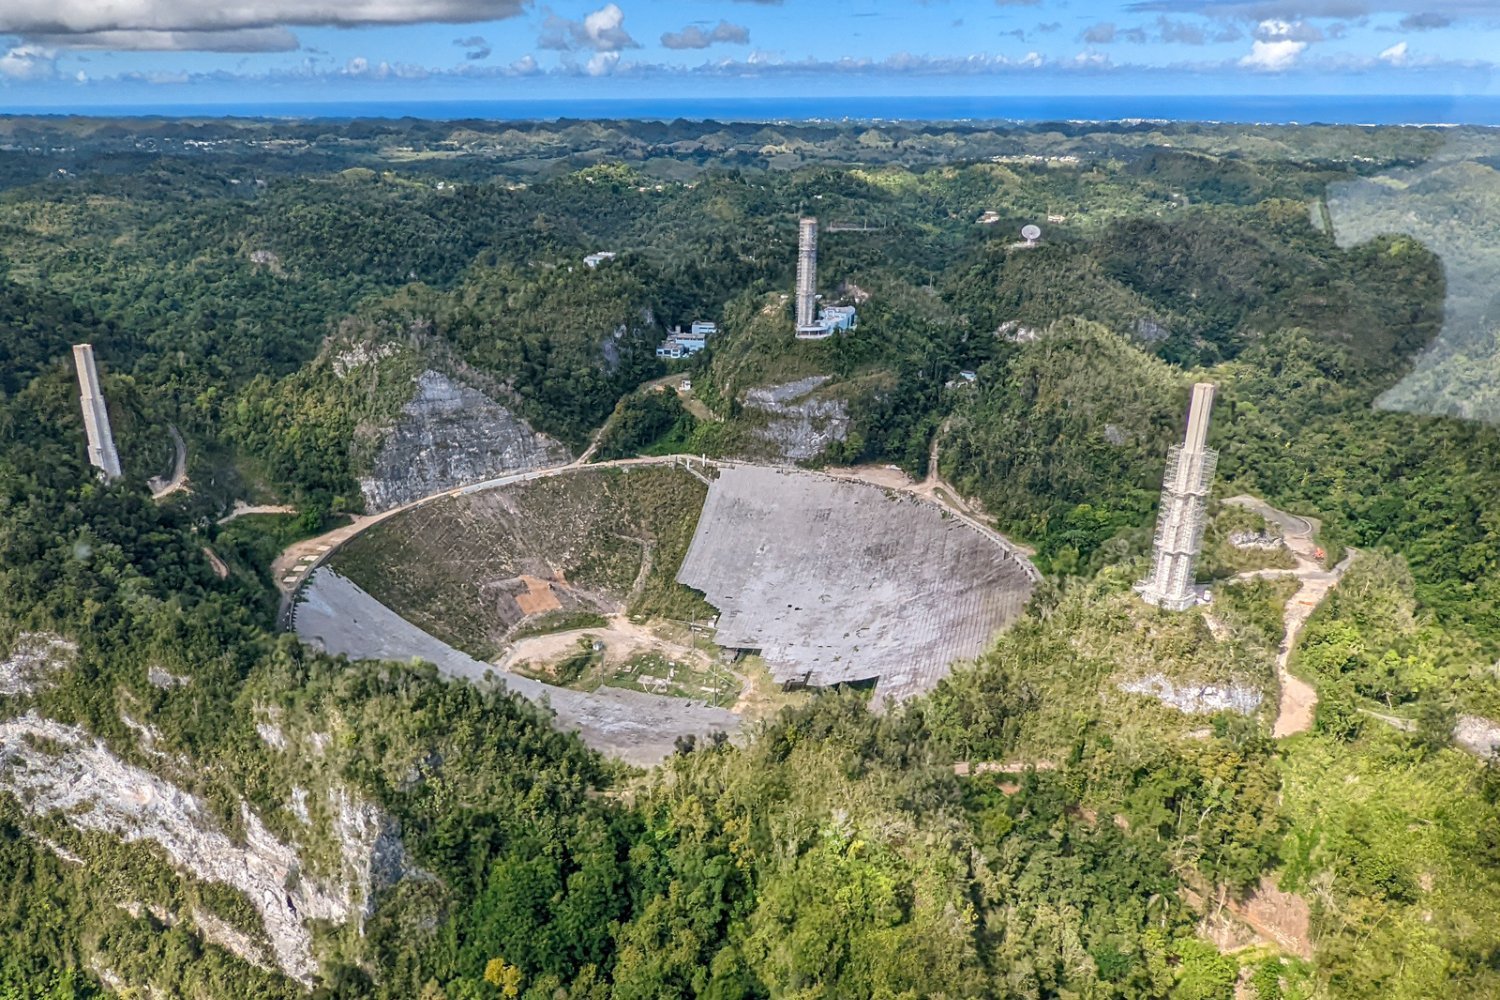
x=98, y=52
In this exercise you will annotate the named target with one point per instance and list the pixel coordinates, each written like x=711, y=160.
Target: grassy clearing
x=657, y=674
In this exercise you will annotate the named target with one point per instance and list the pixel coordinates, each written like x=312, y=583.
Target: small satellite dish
x=1031, y=234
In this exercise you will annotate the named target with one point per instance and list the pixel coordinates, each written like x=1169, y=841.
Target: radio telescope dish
x=1031, y=234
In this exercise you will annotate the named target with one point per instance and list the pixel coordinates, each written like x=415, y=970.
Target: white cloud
x=1033, y=59
x=602, y=63
x=161, y=24
x=1395, y=55
x=1277, y=29
x=1275, y=56
x=694, y=37
x=1278, y=44
x=28, y=62
x=601, y=31
x=275, y=39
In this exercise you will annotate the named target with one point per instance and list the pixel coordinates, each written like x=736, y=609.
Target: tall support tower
x=1184, y=502
x=102, y=454
x=807, y=272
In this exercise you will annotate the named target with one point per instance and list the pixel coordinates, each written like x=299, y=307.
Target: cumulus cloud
x=1395, y=55
x=261, y=24
x=601, y=31
x=28, y=62
x=1273, y=57
x=602, y=63
x=1278, y=44
x=694, y=37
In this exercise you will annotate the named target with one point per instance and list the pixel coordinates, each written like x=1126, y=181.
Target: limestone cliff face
x=800, y=423
x=450, y=435
x=61, y=772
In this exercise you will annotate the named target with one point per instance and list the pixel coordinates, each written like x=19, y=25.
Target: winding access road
x=1299, y=699
x=163, y=488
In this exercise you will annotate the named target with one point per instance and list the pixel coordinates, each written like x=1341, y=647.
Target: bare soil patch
x=538, y=598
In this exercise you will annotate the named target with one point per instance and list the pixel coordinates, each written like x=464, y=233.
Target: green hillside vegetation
x=447, y=566
x=831, y=852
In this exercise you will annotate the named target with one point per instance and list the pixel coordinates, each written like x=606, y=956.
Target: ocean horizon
x=1424, y=109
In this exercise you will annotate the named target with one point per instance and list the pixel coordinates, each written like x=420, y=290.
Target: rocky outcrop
x=58, y=770
x=1196, y=699
x=33, y=658
x=450, y=435
x=802, y=423
x=1478, y=735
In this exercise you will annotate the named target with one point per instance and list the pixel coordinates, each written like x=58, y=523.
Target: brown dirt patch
x=1266, y=916
x=220, y=569
x=538, y=598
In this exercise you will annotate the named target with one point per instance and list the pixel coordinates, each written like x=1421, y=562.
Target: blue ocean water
x=1302, y=109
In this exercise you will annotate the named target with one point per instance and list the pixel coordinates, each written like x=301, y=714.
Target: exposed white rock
x=1255, y=540
x=801, y=425
x=271, y=735
x=33, y=658
x=216, y=930
x=1196, y=699
x=358, y=355
x=1478, y=735
x=62, y=852
x=165, y=679
x=450, y=435
x=148, y=736
x=54, y=769
x=299, y=805
x=1016, y=332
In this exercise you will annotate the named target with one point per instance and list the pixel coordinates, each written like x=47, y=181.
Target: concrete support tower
x=807, y=272
x=1184, y=501
x=102, y=454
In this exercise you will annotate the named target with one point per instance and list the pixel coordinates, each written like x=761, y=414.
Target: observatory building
x=102, y=454
x=1184, y=502
x=807, y=273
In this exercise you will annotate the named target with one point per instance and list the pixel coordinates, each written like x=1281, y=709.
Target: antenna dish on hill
x=1031, y=234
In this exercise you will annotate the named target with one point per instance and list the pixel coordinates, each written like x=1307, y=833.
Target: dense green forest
x=832, y=852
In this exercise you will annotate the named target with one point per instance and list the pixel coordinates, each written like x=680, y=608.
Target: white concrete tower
x=807, y=272
x=1184, y=502
x=102, y=454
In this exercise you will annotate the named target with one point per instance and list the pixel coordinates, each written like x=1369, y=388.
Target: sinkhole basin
x=829, y=580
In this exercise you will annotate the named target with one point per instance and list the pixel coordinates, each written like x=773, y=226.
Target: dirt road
x=1299, y=699
x=622, y=638
x=163, y=488
x=243, y=509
